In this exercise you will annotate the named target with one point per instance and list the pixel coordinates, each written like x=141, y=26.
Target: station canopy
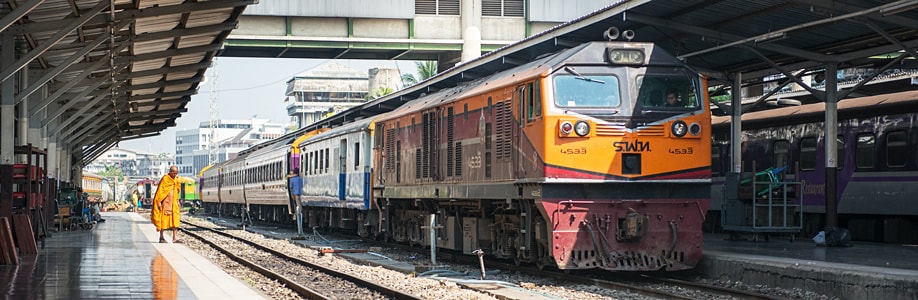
x=125, y=69
x=113, y=69
x=761, y=40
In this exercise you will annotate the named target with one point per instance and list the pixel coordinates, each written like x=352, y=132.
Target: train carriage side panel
x=864, y=172
x=336, y=177
x=232, y=181
x=266, y=170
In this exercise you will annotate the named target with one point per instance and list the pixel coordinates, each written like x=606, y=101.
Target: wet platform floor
x=118, y=259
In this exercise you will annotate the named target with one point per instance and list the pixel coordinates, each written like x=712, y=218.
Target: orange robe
x=160, y=220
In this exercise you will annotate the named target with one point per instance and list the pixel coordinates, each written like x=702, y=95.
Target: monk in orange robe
x=166, y=209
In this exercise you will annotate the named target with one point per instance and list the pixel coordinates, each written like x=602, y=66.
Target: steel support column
x=831, y=145
x=736, y=133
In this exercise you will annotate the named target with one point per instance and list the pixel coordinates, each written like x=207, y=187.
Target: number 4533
x=680, y=150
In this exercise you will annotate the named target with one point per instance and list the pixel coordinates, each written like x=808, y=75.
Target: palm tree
x=426, y=69
x=379, y=92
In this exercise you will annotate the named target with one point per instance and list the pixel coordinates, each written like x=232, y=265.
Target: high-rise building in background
x=333, y=87
x=232, y=136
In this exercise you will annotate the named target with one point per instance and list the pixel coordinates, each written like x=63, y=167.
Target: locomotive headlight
x=694, y=129
x=582, y=128
x=679, y=128
x=566, y=128
x=625, y=56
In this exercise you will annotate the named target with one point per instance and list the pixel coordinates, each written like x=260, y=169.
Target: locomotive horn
x=628, y=34
x=611, y=33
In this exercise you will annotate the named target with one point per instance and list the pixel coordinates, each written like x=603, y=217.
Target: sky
x=247, y=88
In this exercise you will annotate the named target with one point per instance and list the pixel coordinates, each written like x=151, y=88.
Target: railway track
x=310, y=280
x=644, y=284
x=655, y=286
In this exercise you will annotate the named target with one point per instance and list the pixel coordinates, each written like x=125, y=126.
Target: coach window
x=356, y=155
x=866, y=152
x=840, y=152
x=896, y=144
x=808, y=153
x=782, y=153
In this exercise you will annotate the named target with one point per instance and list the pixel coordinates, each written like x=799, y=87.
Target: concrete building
x=326, y=89
x=135, y=165
x=446, y=31
x=192, y=145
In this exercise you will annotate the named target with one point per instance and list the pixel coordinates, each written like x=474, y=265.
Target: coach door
x=342, y=169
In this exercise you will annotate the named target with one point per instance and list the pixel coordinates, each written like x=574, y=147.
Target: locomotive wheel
x=542, y=264
x=517, y=261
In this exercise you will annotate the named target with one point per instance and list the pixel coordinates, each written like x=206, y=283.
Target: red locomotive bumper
x=626, y=235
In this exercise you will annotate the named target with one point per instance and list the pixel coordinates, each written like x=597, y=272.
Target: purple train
x=877, y=183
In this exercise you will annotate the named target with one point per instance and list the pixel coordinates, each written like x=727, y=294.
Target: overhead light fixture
x=898, y=8
x=770, y=37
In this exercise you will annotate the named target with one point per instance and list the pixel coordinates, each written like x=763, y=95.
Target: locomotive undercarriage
x=506, y=229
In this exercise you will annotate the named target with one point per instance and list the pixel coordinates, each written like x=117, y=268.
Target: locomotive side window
x=896, y=144
x=533, y=101
x=866, y=152
x=781, y=150
x=808, y=153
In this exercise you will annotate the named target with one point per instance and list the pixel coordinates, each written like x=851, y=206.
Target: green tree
x=426, y=69
x=113, y=175
x=379, y=92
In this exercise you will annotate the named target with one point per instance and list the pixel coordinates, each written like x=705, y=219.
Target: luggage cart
x=763, y=204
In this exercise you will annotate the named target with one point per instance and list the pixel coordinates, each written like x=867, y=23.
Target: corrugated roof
x=114, y=73
x=719, y=37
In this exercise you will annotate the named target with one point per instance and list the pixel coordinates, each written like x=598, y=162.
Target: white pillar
x=471, y=29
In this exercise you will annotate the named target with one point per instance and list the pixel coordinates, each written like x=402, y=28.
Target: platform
x=118, y=259
x=864, y=271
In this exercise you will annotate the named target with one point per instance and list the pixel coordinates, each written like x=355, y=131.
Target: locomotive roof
x=591, y=53
x=902, y=102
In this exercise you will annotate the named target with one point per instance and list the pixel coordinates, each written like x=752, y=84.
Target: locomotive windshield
x=666, y=89
x=576, y=90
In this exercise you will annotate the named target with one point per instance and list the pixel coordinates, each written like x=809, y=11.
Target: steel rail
x=385, y=290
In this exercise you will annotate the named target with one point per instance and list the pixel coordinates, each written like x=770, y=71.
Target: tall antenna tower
x=212, y=142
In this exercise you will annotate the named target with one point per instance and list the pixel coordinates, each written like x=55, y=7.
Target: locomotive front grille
x=622, y=130
x=651, y=130
x=610, y=129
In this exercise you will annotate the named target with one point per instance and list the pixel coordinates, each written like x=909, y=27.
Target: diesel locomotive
x=575, y=160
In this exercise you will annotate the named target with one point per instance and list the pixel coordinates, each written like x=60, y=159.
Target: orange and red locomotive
x=577, y=159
